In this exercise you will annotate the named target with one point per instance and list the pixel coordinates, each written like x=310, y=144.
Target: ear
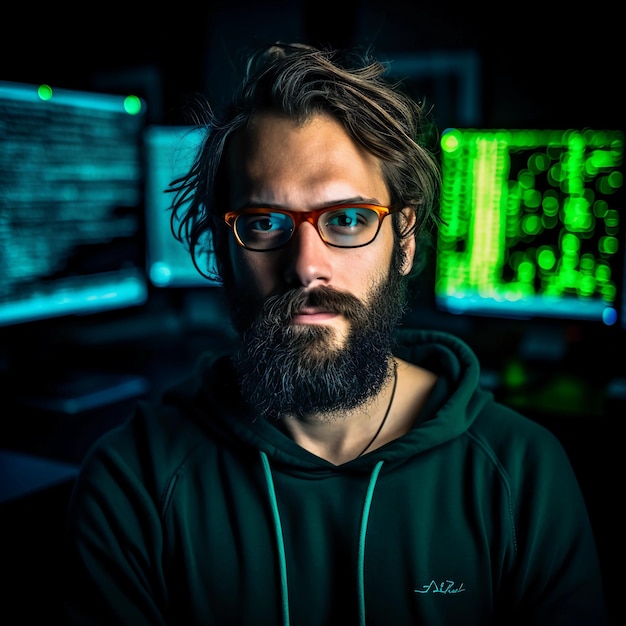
x=408, y=218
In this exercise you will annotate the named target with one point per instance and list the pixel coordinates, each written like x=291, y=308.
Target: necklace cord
x=382, y=423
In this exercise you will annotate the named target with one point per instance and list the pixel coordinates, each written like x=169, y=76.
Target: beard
x=298, y=370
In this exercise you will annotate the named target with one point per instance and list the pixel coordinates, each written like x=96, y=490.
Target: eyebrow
x=272, y=205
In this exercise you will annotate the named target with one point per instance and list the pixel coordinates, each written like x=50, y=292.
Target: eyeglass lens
x=347, y=227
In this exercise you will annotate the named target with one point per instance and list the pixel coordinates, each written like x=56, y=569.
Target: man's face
x=275, y=163
x=332, y=309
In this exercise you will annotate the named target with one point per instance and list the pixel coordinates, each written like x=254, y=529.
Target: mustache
x=282, y=308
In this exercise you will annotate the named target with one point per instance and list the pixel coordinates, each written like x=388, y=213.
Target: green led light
x=550, y=203
x=609, y=292
x=600, y=159
x=450, y=141
x=555, y=174
x=570, y=243
x=586, y=286
x=615, y=179
x=44, y=92
x=526, y=272
x=612, y=218
x=603, y=186
x=587, y=262
x=603, y=273
x=608, y=245
x=132, y=105
x=532, y=198
x=600, y=208
x=546, y=259
x=531, y=225
x=538, y=162
x=526, y=179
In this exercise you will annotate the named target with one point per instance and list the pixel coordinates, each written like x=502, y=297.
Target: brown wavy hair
x=300, y=81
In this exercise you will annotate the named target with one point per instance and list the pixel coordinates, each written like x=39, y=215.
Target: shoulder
x=529, y=458
x=513, y=437
x=154, y=447
x=501, y=420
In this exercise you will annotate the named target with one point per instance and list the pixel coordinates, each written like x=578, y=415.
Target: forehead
x=276, y=159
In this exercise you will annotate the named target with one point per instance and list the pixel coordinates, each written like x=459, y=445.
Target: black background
x=542, y=65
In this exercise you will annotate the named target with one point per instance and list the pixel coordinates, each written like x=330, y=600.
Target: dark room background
x=531, y=65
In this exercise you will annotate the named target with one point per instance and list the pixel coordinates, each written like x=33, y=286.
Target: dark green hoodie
x=195, y=512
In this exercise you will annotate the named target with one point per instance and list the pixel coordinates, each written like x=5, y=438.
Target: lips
x=310, y=310
x=312, y=315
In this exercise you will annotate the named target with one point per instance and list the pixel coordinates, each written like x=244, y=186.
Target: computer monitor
x=71, y=202
x=169, y=152
x=533, y=224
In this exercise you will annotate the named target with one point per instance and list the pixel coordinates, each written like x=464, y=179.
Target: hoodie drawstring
x=280, y=543
x=282, y=561
x=362, y=535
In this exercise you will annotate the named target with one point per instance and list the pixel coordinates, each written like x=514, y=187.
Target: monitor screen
x=170, y=151
x=533, y=224
x=71, y=202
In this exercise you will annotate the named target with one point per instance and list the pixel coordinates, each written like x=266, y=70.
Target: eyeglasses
x=350, y=225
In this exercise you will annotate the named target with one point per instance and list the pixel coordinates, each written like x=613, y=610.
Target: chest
x=411, y=549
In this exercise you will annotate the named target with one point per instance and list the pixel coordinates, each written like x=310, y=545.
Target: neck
x=341, y=437
x=386, y=415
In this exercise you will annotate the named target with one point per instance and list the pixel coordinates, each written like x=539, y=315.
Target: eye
x=264, y=222
x=350, y=218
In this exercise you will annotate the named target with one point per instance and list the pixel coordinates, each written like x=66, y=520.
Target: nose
x=308, y=262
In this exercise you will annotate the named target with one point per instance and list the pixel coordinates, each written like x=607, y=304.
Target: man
x=328, y=471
